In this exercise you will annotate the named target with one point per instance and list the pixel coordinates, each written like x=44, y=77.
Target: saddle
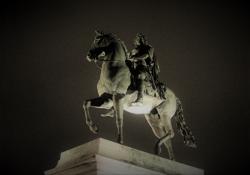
x=153, y=87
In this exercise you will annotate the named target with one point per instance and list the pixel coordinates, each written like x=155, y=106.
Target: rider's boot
x=139, y=100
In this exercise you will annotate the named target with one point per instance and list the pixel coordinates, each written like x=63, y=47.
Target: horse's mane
x=118, y=40
x=113, y=37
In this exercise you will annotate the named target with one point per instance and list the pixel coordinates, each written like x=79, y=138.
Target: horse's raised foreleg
x=110, y=113
x=89, y=122
x=104, y=101
x=118, y=108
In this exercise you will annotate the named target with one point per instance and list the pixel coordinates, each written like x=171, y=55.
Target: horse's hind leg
x=168, y=145
x=166, y=139
x=104, y=101
x=162, y=131
x=157, y=128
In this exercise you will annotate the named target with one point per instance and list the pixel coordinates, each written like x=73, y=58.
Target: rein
x=103, y=60
x=96, y=60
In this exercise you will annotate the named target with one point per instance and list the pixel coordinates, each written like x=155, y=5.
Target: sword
x=152, y=78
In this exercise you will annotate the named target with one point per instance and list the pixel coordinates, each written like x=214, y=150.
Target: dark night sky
x=202, y=49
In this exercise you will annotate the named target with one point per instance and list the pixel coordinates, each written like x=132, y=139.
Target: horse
x=114, y=93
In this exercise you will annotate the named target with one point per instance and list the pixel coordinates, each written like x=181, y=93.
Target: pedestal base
x=103, y=157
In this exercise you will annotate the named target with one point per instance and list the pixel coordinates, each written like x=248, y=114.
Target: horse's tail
x=182, y=127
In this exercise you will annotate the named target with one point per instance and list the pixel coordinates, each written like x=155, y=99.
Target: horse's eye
x=97, y=40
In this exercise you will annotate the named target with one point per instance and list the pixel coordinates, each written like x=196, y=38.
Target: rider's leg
x=141, y=87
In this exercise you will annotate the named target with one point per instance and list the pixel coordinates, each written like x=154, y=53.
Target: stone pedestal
x=103, y=157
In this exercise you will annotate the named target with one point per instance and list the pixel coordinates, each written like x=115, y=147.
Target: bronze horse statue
x=113, y=91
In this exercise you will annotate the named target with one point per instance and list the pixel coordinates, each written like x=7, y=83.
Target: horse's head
x=101, y=45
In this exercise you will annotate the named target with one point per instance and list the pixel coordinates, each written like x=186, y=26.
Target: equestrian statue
x=129, y=81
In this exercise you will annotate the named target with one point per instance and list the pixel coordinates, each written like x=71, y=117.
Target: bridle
x=96, y=60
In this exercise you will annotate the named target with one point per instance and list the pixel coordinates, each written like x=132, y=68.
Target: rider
x=145, y=65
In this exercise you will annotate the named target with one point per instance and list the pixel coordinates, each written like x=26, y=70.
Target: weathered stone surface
x=104, y=157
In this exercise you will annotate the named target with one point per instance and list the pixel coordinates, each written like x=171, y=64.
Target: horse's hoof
x=157, y=150
x=120, y=141
x=172, y=158
x=107, y=115
x=104, y=115
x=93, y=128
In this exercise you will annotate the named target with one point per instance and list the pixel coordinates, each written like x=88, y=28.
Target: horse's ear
x=98, y=32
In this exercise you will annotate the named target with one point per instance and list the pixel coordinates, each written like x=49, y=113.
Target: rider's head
x=140, y=39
